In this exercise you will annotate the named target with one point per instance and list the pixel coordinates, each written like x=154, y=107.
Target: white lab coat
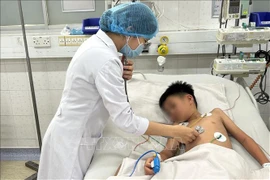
x=94, y=91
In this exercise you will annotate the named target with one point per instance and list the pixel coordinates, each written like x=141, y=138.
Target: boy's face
x=179, y=108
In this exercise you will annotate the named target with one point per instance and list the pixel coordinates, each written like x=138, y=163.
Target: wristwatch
x=266, y=165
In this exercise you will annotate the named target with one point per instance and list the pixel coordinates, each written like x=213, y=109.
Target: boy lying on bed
x=180, y=104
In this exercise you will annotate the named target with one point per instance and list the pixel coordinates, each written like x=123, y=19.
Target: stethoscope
x=124, y=62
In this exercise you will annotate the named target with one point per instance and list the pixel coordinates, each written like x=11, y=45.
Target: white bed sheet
x=246, y=116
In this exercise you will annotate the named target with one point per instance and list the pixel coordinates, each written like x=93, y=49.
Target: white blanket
x=206, y=161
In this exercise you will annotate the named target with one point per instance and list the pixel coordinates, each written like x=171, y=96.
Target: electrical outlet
x=61, y=41
x=74, y=41
x=71, y=40
x=68, y=41
x=41, y=41
x=80, y=40
x=85, y=39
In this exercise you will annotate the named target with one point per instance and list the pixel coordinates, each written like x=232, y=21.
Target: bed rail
x=243, y=83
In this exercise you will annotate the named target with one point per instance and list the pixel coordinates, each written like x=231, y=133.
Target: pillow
x=144, y=97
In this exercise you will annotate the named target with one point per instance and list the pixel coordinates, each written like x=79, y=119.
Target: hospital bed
x=116, y=145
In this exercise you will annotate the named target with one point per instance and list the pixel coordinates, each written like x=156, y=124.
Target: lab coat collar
x=107, y=40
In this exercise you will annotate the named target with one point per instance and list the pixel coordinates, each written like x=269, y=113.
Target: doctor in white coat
x=94, y=91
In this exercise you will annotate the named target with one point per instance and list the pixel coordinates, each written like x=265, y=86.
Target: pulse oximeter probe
x=155, y=164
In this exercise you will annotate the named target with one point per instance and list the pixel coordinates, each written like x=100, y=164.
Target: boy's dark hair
x=177, y=88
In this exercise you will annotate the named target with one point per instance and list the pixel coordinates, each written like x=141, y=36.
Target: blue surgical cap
x=130, y=19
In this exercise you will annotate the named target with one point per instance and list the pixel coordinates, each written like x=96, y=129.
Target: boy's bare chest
x=210, y=126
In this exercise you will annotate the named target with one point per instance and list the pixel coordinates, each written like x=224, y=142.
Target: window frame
x=46, y=25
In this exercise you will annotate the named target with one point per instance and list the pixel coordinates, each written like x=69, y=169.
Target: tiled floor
x=14, y=170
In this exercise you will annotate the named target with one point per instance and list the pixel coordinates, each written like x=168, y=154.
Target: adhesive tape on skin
x=206, y=114
x=152, y=164
x=218, y=138
x=265, y=165
x=184, y=124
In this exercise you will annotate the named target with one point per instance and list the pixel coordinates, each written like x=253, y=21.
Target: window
x=56, y=16
x=10, y=12
x=34, y=13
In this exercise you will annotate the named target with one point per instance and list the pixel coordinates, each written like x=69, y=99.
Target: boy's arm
x=168, y=152
x=249, y=144
x=170, y=149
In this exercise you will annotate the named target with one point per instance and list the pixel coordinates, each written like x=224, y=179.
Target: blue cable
x=140, y=159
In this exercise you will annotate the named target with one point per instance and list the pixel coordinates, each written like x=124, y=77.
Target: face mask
x=130, y=53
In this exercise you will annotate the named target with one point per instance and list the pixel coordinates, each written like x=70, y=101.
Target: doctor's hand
x=185, y=134
x=128, y=70
x=147, y=166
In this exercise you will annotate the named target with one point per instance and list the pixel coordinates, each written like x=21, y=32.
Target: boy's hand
x=147, y=166
x=185, y=134
x=128, y=70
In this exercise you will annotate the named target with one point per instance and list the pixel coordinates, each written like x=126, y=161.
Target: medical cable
x=146, y=140
x=166, y=137
x=124, y=61
x=255, y=82
x=157, y=141
x=239, y=94
x=215, y=138
x=194, y=123
x=171, y=137
x=126, y=90
x=263, y=97
x=135, y=72
x=140, y=159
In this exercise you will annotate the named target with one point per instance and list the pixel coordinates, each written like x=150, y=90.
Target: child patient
x=180, y=104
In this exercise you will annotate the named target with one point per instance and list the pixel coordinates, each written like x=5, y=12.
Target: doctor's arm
x=247, y=142
x=110, y=85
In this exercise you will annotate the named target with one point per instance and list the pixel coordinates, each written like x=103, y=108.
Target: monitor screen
x=234, y=6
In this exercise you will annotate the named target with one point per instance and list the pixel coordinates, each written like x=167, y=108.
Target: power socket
x=72, y=40
x=41, y=41
x=61, y=41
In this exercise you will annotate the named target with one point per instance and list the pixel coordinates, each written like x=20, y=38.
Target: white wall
x=188, y=14
x=17, y=121
x=261, y=5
